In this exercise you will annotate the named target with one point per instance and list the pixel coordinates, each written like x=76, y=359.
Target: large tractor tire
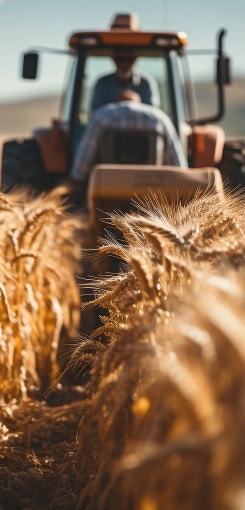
x=232, y=165
x=22, y=164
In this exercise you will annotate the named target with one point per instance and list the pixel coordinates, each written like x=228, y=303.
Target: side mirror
x=223, y=71
x=223, y=63
x=30, y=65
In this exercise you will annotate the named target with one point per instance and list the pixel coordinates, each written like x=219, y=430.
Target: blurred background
x=26, y=24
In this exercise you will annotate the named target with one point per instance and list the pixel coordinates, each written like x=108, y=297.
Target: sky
x=28, y=23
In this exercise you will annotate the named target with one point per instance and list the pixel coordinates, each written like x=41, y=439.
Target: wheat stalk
x=40, y=253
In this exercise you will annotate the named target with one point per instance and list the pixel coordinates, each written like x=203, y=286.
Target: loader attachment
x=116, y=187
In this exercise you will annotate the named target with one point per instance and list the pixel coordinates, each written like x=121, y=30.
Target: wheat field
x=166, y=363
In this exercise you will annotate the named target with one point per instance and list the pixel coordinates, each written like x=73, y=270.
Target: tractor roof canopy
x=119, y=37
x=125, y=31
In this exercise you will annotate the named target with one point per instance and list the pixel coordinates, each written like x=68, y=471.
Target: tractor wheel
x=22, y=164
x=232, y=165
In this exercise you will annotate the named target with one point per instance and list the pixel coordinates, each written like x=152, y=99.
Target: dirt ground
x=38, y=466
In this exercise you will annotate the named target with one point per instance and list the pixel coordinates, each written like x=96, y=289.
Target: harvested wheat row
x=40, y=253
x=159, y=428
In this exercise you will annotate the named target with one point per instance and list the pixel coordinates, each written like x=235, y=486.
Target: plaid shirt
x=127, y=115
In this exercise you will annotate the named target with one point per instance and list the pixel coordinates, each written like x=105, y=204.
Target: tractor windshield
x=97, y=67
x=91, y=66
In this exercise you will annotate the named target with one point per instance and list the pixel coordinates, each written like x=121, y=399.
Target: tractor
x=44, y=160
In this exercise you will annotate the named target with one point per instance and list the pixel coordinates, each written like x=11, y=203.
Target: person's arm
x=88, y=147
x=173, y=150
x=86, y=152
x=99, y=94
